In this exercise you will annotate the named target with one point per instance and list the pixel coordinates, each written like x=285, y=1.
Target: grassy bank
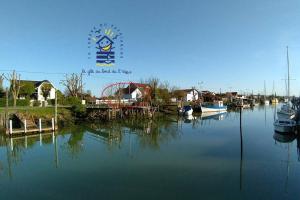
x=63, y=114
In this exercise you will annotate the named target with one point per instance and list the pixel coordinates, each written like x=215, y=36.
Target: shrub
x=23, y=102
x=51, y=102
x=36, y=103
x=20, y=102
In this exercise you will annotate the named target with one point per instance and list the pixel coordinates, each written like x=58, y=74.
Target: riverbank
x=64, y=115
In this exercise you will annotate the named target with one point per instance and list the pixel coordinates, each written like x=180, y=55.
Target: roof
x=132, y=87
x=35, y=83
x=186, y=90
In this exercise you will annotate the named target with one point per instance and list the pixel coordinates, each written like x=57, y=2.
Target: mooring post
x=53, y=124
x=25, y=126
x=40, y=124
x=10, y=127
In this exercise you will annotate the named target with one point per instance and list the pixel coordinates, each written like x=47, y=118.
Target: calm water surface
x=164, y=158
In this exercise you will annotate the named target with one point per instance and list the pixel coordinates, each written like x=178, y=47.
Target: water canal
x=164, y=158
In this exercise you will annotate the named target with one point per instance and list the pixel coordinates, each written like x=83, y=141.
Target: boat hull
x=283, y=115
x=215, y=110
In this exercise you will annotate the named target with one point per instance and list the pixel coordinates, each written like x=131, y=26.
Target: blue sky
x=224, y=44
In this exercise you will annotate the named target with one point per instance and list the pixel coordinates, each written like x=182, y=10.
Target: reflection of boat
x=216, y=107
x=189, y=118
x=213, y=115
x=285, y=125
x=286, y=138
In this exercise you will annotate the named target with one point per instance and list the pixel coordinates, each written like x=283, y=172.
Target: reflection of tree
x=74, y=145
x=149, y=132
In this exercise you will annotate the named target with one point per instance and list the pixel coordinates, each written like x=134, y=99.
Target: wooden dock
x=32, y=129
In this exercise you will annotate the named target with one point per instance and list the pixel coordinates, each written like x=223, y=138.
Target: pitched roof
x=35, y=83
x=186, y=90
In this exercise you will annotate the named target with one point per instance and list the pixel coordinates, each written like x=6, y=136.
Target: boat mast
x=265, y=90
x=288, y=65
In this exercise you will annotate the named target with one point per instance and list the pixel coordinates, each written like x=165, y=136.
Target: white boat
x=286, y=112
x=216, y=107
x=266, y=102
x=285, y=125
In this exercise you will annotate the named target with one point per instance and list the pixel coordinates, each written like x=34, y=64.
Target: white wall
x=40, y=93
x=191, y=96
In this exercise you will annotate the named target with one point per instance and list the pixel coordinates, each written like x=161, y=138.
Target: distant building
x=134, y=91
x=186, y=95
x=38, y=94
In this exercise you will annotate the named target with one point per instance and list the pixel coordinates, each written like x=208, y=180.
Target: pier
x=20, y=125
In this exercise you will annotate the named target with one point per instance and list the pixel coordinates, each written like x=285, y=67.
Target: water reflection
x=285, y=140
x=229, y=151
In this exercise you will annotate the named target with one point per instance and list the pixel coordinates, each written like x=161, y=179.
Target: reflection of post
x=241, y=159
x=41, y=140
x=288, y=170
x=56, y=152
x=8, y=156
x=25, y=141
x=298, y=148
x=265, y=115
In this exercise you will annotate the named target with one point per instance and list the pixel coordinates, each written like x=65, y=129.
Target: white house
x=134, y=91
x=189, y=94
x=38, y=94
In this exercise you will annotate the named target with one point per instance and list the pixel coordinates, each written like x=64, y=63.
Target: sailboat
x=285, y=122
x=274, y=99
x=266, y=102
x=286, y=111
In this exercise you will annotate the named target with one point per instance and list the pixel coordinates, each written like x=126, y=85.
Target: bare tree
x=73, y=84
x=15, y=85
x=1, y=82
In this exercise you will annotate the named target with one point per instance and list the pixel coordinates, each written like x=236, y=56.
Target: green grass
x=63, y=114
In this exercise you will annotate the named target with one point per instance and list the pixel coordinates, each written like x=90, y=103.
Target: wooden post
x=53, y=128
x=25, y=126
x=40, y=124
x=10, y=127
x=6, y=108
x=55, y=107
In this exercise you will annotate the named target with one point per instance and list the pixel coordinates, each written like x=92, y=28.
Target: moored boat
x=286, y=112
x=216, y=107
x=186, y=110
x=274, y=101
